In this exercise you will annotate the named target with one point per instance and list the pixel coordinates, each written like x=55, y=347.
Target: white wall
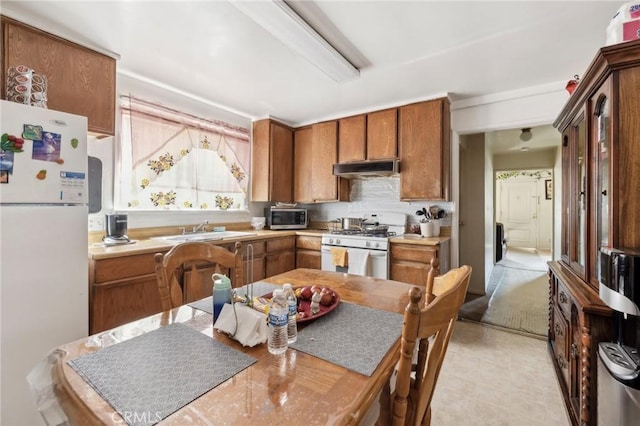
x=472, y=211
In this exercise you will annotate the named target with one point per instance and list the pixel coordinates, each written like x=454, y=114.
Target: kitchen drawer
x=258, y=248
x=563, y=298
x=561, y=344
x=413, y=253
x=280, y=244
x=124, y=267
x=308, y=243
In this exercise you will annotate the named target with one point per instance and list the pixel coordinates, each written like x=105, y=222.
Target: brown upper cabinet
x=424, y=150
x=324, y=153
x=272, y=162
x=352, y=139
x=368, y=137
x=302, y=164
x=79, y=80
x=382, y=134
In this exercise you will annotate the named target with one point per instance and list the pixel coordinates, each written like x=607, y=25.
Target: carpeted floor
x=517, y=294
x=520, y=301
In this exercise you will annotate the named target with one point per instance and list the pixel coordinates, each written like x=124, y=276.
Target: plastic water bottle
x=278, y=322
x=292, y=302
x=221, y=293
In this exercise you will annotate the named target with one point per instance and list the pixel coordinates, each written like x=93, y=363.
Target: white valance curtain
x=173, y=160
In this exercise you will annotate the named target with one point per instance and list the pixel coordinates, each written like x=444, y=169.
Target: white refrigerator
x=43, y=246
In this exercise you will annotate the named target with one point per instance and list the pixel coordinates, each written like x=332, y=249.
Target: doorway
x=501, y=181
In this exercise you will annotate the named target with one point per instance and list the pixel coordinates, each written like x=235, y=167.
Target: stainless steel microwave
x=286, y=218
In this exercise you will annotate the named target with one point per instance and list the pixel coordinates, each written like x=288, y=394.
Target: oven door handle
x=374, y=253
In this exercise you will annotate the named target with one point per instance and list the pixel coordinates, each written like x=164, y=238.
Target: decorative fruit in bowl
x=326, y=297
x=306, y=293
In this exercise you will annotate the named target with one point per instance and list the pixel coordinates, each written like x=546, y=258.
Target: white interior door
x=517, y=210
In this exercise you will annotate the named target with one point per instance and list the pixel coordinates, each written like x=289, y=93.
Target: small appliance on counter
x=286, y=217
x=116, y=229
x=619, y=360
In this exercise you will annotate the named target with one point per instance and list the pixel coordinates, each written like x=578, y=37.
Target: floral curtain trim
x=176, y=166
x=537, y=174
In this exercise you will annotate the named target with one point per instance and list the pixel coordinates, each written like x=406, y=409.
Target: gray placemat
x=147, y=378
x=353, y=336
x=205, y=304
x=259, y=288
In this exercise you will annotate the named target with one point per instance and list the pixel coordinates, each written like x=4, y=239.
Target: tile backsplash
x=374, y=195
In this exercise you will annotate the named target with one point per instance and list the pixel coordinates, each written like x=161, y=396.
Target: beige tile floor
x=494, y=377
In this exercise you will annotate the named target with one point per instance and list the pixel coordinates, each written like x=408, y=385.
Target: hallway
x=516, y=295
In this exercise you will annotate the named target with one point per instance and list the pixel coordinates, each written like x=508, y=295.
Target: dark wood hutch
x=600, y=127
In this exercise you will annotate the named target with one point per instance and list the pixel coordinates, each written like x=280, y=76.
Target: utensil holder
x=436, y=227
x=426, y=229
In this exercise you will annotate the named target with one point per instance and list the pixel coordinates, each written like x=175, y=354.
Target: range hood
x=367, y=169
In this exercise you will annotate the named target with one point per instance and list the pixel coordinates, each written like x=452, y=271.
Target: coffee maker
x=619, y=360
x=116, y=229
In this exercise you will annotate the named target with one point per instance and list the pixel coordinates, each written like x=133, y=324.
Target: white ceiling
x=406, y=51
x=509, y=142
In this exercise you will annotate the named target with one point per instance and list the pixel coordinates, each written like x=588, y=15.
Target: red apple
x=316, y=288
x=306, y=293
x=326, y=298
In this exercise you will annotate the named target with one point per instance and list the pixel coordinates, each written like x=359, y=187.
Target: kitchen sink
x=204, y=236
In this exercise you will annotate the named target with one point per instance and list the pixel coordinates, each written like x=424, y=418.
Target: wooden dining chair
x=192, y=264
x=432, y=324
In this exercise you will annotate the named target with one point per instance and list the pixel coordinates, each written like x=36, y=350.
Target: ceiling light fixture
x=526, y=134
x=282, y=22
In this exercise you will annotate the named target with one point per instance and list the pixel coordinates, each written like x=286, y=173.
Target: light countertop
x=147, y=245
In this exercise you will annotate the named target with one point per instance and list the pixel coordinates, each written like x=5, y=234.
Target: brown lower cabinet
x=280, y=255
x=251, y=274
x=411, y=263
x=578, y=321
x=121, y=290
x=124, y=289
x=308, y=252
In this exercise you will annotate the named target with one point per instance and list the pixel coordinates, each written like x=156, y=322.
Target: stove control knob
x=337, y=240
x=368, y=244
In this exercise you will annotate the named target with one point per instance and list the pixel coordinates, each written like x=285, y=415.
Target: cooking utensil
x=351, y=222
x=375, y=228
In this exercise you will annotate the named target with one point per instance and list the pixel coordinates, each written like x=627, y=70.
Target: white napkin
x=252, y=326
x=358, y=262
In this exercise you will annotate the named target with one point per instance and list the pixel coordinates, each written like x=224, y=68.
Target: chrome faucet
x=196, y=229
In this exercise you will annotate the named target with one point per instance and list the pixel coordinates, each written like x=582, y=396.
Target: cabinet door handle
x=574, y=350
x=562, y=297
x=561, y=362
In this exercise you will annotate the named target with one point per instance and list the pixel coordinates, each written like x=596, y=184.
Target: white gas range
x=362, y=249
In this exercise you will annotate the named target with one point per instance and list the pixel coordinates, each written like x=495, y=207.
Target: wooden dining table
x=295, y=387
